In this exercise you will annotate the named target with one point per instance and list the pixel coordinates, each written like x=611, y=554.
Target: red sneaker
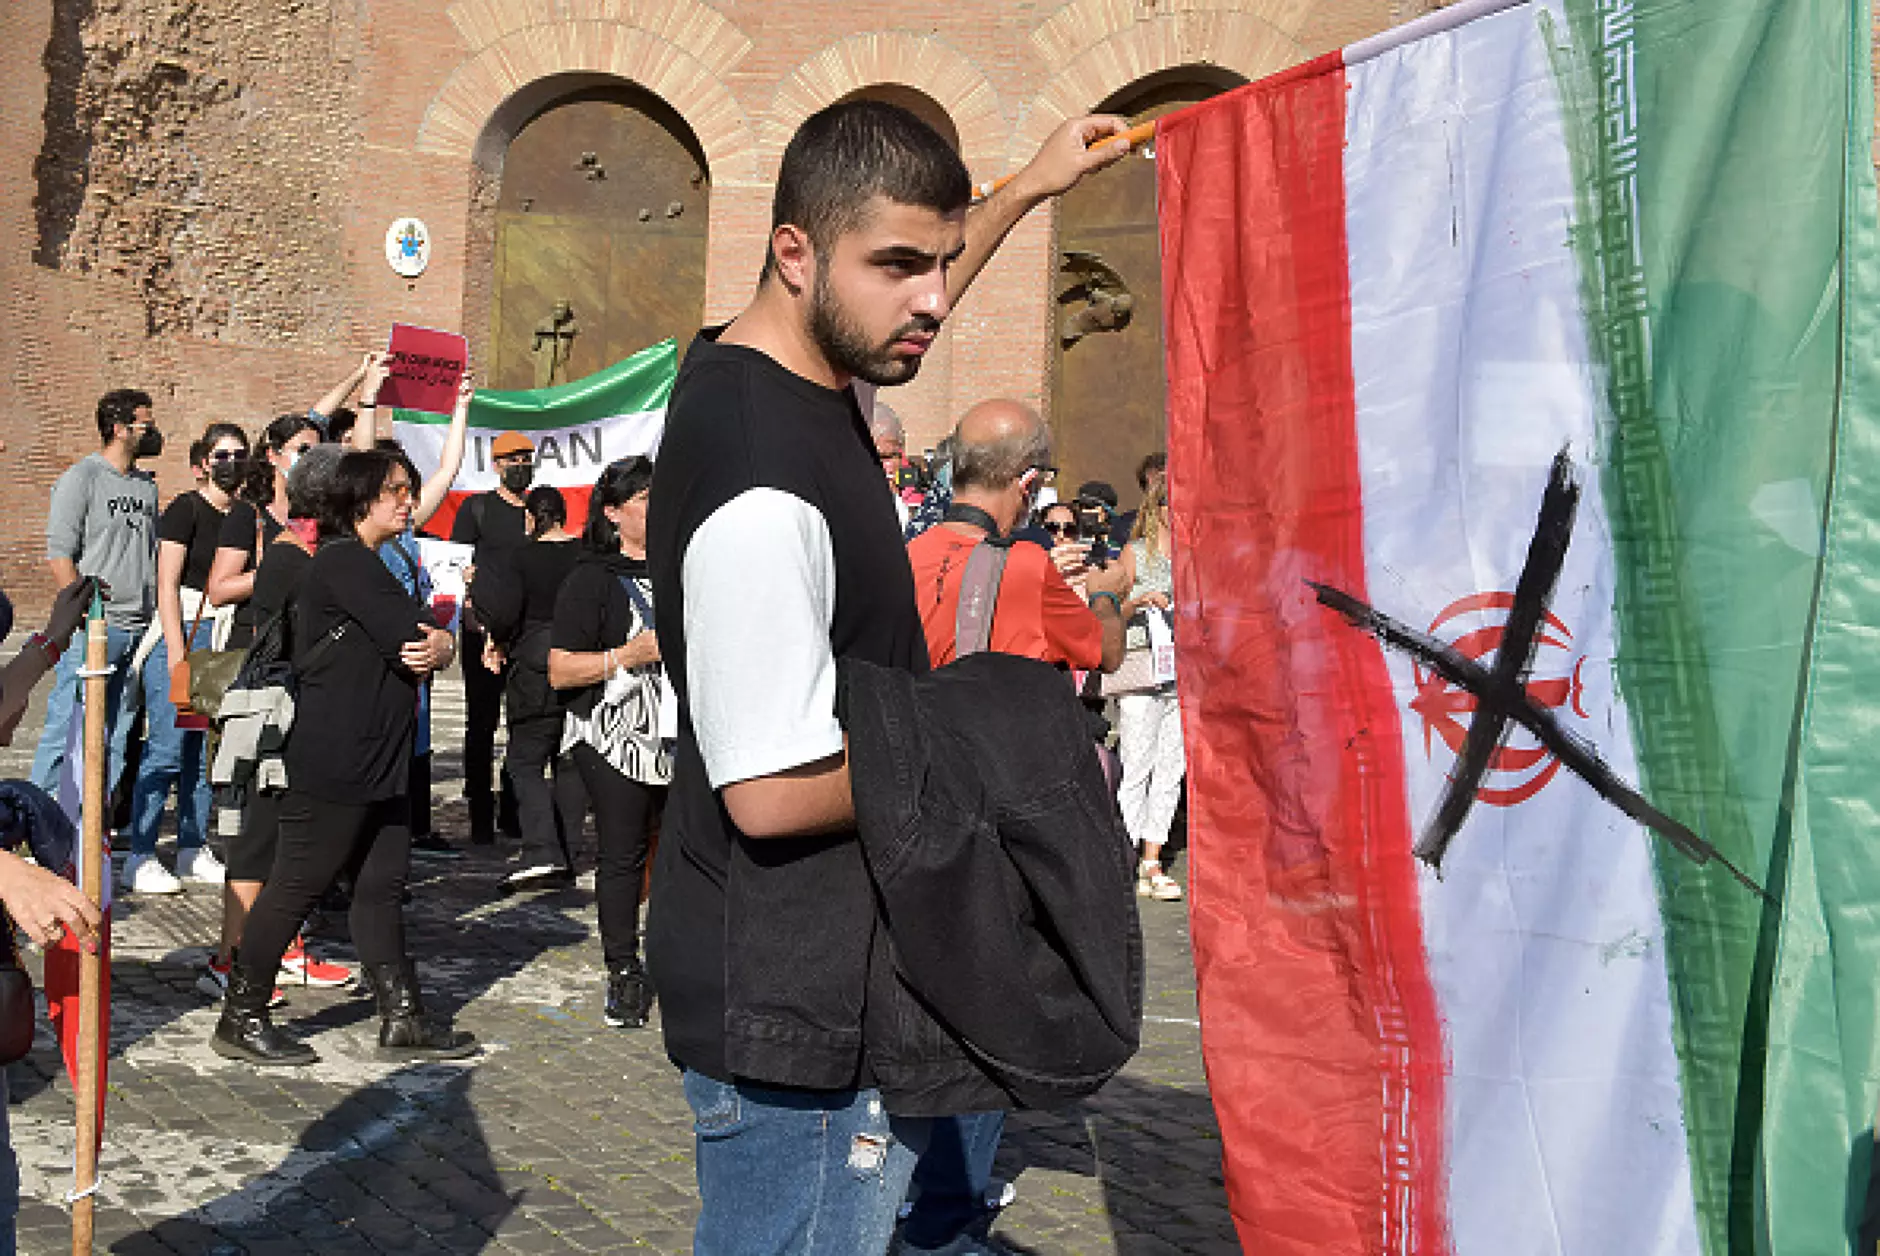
x=300, y=966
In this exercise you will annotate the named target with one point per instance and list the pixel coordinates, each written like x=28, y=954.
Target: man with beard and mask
x=103, y=523
x=494, y=523
x=774, y=552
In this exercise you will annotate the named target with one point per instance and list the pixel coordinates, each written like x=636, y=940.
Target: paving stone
x=563, y=1137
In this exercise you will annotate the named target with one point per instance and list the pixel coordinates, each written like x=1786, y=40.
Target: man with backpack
x=978, y=591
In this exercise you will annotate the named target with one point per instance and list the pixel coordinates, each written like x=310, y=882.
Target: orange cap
x=511, y=443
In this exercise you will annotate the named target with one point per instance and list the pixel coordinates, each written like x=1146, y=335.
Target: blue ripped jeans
x=173, y=757
x=797, y=1172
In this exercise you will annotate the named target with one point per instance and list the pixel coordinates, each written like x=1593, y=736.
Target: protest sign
x=423, y=367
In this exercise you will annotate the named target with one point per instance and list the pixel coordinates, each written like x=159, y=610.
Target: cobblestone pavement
x=562, y=1136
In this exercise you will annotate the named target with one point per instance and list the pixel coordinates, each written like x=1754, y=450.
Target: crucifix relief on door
x=600, y=237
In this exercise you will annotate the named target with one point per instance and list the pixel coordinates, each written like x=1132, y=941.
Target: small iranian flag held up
x=578, y=428
x=1524, y=458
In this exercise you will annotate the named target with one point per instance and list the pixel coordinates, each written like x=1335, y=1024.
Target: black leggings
x=550, y=819
x=623, y=819
x=319, y=839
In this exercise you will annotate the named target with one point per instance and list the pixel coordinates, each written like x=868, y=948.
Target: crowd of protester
x=669, y=665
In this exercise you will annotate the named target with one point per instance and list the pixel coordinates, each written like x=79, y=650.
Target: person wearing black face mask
x=103, y=523
x=494, y=523
x=187, y=536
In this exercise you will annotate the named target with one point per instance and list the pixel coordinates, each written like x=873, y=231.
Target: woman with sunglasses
x=187, y=536
x=256, y=517
x=362, y=646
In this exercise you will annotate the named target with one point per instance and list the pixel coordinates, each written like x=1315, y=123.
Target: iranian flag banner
x=578, y=428
x=1525, y=474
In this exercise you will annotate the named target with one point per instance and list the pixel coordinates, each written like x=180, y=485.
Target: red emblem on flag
x=1521, y=767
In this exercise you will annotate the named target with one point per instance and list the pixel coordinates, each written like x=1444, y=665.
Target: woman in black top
x=515, y=597
x=275, y=583
x=172, y=756
x=361, y=646
x=604, y=659
x=255, y=518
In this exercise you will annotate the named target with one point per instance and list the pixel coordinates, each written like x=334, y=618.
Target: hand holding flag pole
x=91, y=962
x=1136, y=136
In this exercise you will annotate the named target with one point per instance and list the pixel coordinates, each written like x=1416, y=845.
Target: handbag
x=1147, y=668
x=17, y=1015
x=205, y=674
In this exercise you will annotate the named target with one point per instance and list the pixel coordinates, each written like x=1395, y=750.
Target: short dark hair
x=847, y=154
x=1098, y=491
x=1153, y=462
x=340, y=423
x=357, y=481
x=621, y=481
x=546, y=508
x=198, y=450
x=284, y=428
x=214, y=435
x=118, y=407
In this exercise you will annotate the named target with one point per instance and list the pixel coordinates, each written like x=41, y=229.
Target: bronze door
x=1109, y=393
x=600, y=238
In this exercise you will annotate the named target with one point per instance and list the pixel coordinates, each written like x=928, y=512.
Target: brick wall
x=195, y=192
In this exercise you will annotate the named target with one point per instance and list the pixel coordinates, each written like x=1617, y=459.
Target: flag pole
x=1136, y=135
x=90, y=962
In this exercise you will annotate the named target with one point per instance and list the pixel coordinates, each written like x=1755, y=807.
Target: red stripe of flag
x=1319, y=1025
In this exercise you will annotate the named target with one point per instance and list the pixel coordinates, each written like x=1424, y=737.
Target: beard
x=847, y=347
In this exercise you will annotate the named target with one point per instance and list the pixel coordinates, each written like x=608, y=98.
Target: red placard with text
x=424, y=368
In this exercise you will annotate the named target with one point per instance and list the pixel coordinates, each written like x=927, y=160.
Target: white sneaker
x=145, y=874
x=199, y=864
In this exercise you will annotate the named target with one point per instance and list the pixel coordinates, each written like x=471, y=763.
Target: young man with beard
x=774, y=551
x=103, y=523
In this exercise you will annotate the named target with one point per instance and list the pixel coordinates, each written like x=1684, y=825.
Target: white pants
x=1149, y=741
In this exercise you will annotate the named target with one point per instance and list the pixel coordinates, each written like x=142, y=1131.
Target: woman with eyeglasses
x=187, y=536
x=362, y=644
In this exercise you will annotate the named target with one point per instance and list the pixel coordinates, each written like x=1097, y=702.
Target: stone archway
x=1108, y=389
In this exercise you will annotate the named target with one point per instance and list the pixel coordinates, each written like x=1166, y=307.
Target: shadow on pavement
x=401, y=1164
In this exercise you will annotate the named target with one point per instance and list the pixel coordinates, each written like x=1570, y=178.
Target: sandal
x=1152, y=882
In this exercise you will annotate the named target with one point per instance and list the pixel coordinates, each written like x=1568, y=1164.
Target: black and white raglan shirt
x=774, y=551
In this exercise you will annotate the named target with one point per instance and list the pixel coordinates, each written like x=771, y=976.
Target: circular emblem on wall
x=408, y=247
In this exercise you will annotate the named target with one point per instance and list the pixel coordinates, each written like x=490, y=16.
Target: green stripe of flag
x=1713, y=142
x=633, y=385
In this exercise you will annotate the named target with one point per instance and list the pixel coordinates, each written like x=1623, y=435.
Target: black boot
x=629, y=997
x=245, y=1032
x=404, y=1033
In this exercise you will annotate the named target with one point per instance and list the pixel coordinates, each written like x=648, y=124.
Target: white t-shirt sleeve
x=759, y=577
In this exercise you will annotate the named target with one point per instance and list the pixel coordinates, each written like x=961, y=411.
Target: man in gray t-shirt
x=103, y=523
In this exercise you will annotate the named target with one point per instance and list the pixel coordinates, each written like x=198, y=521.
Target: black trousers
x=624, y=810
x=550, y=818
x=418, y=791
x=483, y=711
x=319, y=839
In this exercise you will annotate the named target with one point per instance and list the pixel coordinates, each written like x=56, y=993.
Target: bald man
x=1001, y=452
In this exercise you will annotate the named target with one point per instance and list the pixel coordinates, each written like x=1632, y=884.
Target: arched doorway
x=1108, y=392
x=600, y=236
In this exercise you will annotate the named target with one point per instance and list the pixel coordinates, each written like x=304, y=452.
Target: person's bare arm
x=228, y=581
x=577, y=669
x=64, y=571
x=342, y=390
x=1064, y=158
x=366, y=430
x=798, y=802
x=171, y=555
x=450, y=458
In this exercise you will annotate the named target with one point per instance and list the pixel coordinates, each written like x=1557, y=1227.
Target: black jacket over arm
x=1005, y=882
